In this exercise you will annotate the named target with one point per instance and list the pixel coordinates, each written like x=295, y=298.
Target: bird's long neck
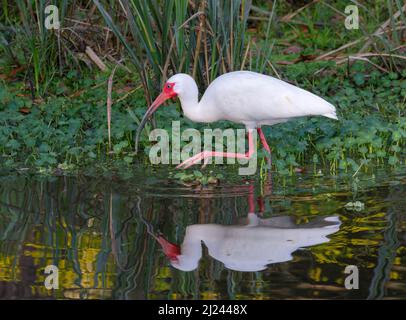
x=190, y=103
x=190, y=107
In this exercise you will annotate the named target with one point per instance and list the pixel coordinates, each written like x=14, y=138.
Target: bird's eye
x=168, y=86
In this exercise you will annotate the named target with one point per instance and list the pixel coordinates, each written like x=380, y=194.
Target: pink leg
x=265, y=144
x=205, y=155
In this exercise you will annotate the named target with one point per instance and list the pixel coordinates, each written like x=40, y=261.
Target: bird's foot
x=205, y=155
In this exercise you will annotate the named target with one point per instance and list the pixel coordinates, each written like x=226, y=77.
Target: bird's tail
x=331, y=115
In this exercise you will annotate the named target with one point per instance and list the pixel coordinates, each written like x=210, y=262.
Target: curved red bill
x=172, y=251
x=167, y=92
x=154, y=106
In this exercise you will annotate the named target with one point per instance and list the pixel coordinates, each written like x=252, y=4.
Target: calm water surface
x=285, y=238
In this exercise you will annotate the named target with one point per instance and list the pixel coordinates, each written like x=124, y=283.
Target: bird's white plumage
x=250, y=98
x=254, y=246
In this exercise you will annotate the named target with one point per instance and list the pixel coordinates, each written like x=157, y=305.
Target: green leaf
x=393, y=160
x=359, y=79
x=13, y=144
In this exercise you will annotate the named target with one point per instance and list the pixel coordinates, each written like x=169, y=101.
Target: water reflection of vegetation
x=92, y=230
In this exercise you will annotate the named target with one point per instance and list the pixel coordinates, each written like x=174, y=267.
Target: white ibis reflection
x=250, y=247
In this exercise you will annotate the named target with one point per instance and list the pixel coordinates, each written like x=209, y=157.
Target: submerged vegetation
x=53, y=95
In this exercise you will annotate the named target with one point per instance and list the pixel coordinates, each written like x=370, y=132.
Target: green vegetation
x=197, y=178
x=53, y=98
x=44, y=54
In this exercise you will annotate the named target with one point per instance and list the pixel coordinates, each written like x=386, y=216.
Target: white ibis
x=245, y=97
x=251, y=247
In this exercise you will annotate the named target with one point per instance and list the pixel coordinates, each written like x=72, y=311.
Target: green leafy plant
x=197, y=178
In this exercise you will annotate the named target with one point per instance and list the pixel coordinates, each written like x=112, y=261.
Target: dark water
x=288, y=238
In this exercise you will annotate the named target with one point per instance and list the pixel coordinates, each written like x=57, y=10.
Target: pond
x=149, y=237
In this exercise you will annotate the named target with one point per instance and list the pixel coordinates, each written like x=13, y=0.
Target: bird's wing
x=257, y=97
